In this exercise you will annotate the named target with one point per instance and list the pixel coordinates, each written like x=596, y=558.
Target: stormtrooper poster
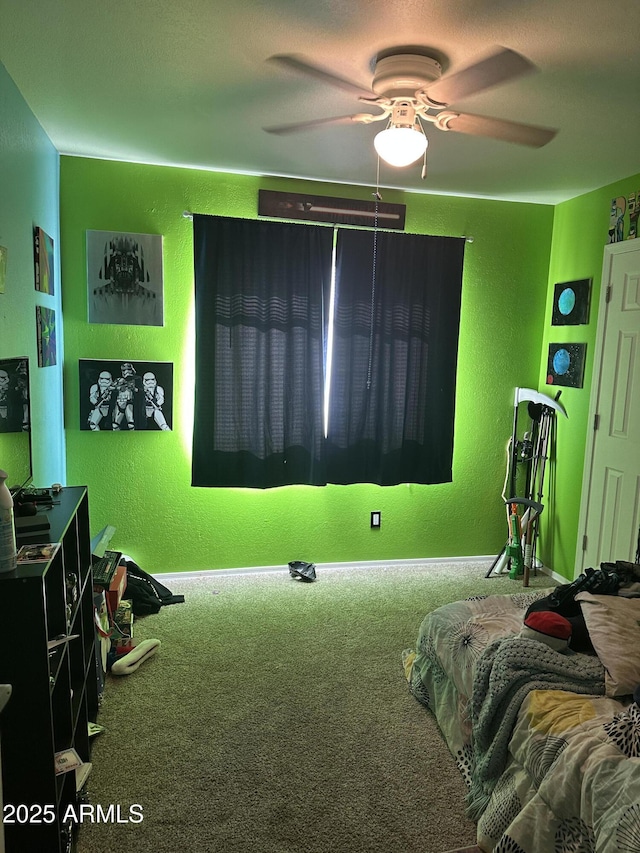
x=124, y=278
x=124, y=396
x=14, y=395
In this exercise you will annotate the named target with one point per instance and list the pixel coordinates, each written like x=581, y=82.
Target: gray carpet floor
x=275, y=718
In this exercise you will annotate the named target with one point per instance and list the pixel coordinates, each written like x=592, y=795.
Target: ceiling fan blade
x=495, y=128
x=282, y=129
x=293, y=62
x=498, y=67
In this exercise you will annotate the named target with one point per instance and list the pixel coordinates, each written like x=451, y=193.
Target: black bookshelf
x=54, y=693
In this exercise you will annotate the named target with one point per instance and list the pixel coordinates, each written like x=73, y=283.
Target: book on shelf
x=37, y=553
x=27, y=524
x=82, y=774
x=67, y=760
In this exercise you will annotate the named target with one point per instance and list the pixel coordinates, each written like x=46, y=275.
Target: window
x=323, y=356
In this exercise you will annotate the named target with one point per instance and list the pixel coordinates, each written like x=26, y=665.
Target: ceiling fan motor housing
x=403, y=114
x=402, y=75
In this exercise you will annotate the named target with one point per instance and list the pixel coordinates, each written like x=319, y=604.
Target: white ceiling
x=187, y=84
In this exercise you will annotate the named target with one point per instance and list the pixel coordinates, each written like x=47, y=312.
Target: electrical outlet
x=376, y=518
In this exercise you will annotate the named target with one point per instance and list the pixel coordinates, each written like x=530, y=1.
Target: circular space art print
x=565, y=365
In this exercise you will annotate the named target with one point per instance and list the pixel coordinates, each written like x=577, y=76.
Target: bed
x=547, y=742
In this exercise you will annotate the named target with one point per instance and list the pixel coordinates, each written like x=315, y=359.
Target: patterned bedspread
x=557, y=772
x=450, y=641
x=506, y=672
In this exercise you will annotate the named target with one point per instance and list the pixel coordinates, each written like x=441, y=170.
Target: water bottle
x=7, y=530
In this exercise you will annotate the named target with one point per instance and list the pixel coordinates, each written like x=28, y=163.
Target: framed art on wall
x=124, y=278
x=14, y=395
x=125, y=395
x=46, y=334
x=571, y=301
x=565, y=365
x=43, y=261
x=343, y=211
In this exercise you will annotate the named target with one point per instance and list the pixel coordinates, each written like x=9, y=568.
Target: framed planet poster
x=565, y=365
x=571, y=300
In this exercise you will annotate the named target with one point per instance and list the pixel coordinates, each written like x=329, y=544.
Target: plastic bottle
x=7, y=530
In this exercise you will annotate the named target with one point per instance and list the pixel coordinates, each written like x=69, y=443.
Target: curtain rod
x=188, y=215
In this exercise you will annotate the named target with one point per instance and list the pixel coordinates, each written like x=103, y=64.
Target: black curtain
x=393, y=378
x=261, y=291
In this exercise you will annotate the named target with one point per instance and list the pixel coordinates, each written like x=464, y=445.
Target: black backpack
x=147, y=595
x=603, y=581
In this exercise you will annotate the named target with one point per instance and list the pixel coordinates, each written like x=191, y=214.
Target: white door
x=610, y=512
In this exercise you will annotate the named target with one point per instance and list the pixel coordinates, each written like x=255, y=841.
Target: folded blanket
x=506, y=672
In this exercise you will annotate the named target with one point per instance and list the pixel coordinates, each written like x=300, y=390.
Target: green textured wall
x=140, y=482
x=579, y=236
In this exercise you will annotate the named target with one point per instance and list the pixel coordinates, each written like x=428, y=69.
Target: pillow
x=613, y=623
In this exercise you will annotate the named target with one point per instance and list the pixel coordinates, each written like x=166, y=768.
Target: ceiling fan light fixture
x=400, y=146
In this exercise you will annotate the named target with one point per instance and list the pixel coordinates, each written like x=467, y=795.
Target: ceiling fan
x=409, y=89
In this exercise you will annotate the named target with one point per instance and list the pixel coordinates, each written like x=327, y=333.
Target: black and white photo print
x=124, y=278
x=125, y=395
x=14, y=395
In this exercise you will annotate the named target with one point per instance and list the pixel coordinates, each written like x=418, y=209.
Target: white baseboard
x=557, y=577
x=431, y=562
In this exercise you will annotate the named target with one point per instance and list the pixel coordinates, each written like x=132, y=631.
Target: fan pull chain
x=377, y=194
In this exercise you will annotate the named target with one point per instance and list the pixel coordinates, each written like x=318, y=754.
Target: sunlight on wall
x=187, y=384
